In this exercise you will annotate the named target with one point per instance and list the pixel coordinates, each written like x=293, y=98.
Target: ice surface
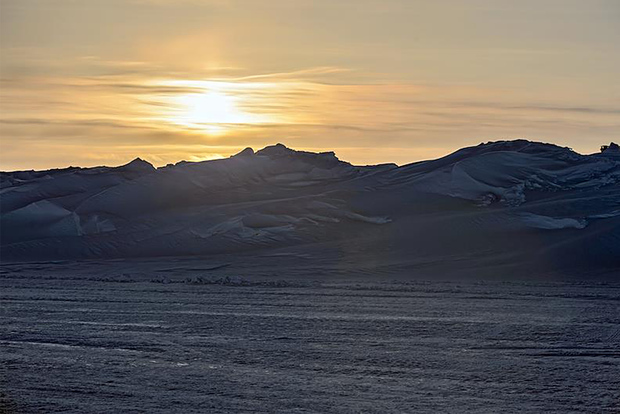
x=218, y=336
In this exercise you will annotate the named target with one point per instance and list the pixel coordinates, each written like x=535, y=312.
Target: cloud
x=114, y=118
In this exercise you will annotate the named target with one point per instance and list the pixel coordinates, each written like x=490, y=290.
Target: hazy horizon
x=101, y=82
x=256, y=149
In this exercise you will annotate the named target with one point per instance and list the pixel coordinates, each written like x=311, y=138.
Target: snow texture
x=283, y=281
x=240, y=335
x=519, y=204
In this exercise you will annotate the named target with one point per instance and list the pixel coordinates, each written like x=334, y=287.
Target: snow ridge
x=476, y=199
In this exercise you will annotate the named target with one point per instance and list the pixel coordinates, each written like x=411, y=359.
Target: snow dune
x=509, y=205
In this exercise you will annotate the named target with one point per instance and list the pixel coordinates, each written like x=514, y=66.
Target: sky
x=100, y=82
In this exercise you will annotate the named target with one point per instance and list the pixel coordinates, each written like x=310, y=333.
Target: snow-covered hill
x=508, y=206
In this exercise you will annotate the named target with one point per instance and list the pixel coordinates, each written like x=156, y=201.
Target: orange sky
x=91, y=82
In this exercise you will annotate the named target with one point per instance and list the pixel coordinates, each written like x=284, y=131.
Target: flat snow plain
x=179, y=336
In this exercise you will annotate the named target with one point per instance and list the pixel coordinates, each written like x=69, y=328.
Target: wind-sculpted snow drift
x=502, y=207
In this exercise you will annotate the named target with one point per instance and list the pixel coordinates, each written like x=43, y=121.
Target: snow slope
x=507, y=206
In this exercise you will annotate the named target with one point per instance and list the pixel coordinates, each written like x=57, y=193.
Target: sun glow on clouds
x=178, y=79
x=216, y=107
x=164, y=120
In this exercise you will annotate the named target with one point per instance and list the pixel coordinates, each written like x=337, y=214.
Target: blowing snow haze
x=497, y=208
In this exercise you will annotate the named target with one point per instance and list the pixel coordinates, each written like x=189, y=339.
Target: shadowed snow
x=496, y=204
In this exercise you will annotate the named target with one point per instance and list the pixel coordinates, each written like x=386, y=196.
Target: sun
x=216, y=107
x=210, y=108
x=210, y=111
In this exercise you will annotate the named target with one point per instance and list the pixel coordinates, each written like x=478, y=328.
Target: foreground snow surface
x=205, y=336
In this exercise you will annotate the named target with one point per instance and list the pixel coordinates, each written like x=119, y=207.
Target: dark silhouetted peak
x=520, y=145
x=138, y=164
x=279, y=150
x=276, y=150
x=517, y=146
x=610, y=151
x=245, y=153
x=319, y=159
x=613, y=147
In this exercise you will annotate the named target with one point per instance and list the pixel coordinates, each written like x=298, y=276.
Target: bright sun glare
x=210, y=107
x=215, y=108
x=209, y=111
